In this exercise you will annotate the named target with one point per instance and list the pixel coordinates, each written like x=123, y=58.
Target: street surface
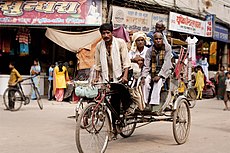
x=31, y=130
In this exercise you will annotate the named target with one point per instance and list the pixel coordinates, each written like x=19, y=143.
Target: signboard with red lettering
x=56, y=12
x=186, y=24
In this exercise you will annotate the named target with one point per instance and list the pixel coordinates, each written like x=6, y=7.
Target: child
x=182, y=86
x=15, y=77
x=227, y=92
x=199, y=82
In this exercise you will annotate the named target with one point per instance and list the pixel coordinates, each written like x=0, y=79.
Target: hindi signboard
x=156, y=17
x=131, y=19
x=56, y=12
x=186, y=24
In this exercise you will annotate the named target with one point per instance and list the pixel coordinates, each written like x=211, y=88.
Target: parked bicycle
x=16, y=96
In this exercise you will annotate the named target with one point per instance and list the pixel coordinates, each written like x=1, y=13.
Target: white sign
x=186, y=24
x=159, y=17
x=132, y=19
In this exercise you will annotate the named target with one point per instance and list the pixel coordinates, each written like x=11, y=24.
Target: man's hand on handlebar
x=156, y=78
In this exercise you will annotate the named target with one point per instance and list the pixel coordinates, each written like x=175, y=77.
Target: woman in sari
x=35, y=70
x=60, y=78
x=220, y=81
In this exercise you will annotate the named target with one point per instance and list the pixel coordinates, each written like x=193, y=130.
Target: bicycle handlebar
x=29, y=78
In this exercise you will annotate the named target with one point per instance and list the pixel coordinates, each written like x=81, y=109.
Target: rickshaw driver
x=157, y=65
x=112, y=63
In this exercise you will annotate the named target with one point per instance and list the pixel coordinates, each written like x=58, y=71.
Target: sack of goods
x=86, y=91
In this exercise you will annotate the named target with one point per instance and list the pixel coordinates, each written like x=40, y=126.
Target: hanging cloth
x=73, y=41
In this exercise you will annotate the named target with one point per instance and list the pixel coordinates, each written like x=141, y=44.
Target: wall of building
x=197, y=7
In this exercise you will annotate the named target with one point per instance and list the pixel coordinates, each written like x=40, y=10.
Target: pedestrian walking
x=227, y=92
x=35, y=70
x=15, y=77
x=220, y=81
x=60, y=79
x=50, y=80
x=199, y=82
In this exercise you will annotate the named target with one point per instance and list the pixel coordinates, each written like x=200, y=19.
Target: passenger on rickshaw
x=138, y=49
x=156, y=69
x=137, y=54
x=112, y=63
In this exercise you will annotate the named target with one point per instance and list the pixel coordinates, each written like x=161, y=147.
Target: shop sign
x=159, y=17
x=131, y=19
x=210, y=22
x=56, y=12
x=220, y=33
x=186, y=24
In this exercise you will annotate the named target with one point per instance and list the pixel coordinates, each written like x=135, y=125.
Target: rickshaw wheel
x=129, y=128
x=93, y=129
x=181, y=122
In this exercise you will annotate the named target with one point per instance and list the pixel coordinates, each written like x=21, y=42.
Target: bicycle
x=94, y=127
x=16, y=96
x=94, y=124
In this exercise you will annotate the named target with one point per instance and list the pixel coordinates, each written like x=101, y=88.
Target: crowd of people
x=148, y=58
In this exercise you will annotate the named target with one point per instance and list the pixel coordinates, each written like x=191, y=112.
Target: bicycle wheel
x=181, y=122
x=13, y=99
x=39, y=99
x=129, y=128
x=80, y=107
x=191, y=95
x=95, y=133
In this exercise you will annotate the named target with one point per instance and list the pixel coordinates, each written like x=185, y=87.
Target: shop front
x=23, y=25
x=197, y=33
x=221, y=39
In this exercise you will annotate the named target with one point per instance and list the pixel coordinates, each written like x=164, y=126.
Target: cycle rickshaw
x=94, y=127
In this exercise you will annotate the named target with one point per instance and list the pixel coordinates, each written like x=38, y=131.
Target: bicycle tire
x=39, y=99
x=128, y=130
x=17, y=99
x=181, y=122
x=97, y=126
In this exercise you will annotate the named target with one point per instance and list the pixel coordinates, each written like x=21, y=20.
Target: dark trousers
x=10, y=97
x=50, y=90
x=121, y=96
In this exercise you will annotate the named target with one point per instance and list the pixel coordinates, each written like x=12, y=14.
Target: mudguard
x=178, y=100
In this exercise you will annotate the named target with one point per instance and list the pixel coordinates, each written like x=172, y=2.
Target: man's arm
x=167, y=63
x=147, y=63
x=97, y=59
x=126, y=62
x=18, y=76
x=97, y=64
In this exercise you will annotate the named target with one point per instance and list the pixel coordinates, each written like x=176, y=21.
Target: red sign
x=59, y=12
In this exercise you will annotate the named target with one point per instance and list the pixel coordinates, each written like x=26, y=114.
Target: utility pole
x=174, y=3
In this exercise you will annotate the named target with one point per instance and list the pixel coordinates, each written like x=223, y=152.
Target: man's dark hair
x=36, y=59
x=12, y=63
x=106, y=26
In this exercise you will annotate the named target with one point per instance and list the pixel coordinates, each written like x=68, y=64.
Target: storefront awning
x=73, y=41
